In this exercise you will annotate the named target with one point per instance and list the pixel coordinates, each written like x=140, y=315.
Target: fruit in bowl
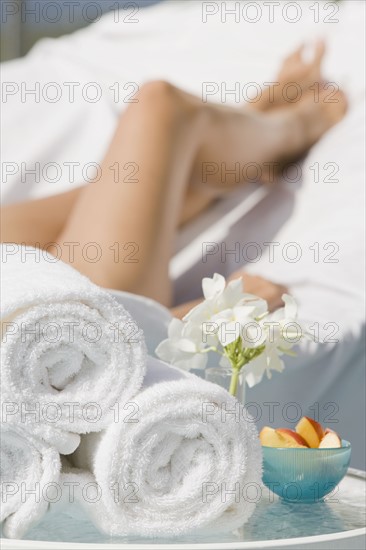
x=281, y=438
x=311, y=431
x=330, y=440
x=307, y=434
x=305, y=464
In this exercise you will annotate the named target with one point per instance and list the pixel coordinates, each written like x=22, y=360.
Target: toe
x=319, y=51
x=296, y=56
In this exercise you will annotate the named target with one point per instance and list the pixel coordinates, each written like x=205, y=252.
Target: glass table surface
x=274, y=524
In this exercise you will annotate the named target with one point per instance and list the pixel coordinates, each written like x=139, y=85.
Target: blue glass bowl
x=305, y=475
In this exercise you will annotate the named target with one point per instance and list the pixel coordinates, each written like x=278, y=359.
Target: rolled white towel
x=69, y=351
x=177, y=462
x=29, y=476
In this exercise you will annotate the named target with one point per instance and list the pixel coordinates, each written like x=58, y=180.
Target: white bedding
x=172, y=42
x=73, y=128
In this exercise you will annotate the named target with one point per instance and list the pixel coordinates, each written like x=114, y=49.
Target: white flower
x=229, y=315
x=213, y=287
x=266, y=362
x=283, y=326
x=183, y=347
x=283, y=331
x=219, y=298
x=239, y=321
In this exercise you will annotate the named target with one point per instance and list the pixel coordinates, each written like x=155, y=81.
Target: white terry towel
x=69, y=351
x=29, y=475
x=176, y=462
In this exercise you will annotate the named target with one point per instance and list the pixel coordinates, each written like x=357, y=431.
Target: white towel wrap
x=177, y=462
x=69, y=351
x=29, y=475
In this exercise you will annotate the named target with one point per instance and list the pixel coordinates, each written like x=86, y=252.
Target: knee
x=160, y=97
x=161, y=105
x=158, y=90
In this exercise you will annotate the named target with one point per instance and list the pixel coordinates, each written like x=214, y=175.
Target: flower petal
x=243, y=313
x=213, y=287
x=223, y=315
x=175, y=328
x=274, y=362
x=233, y=293
x=186, y=345
x=229, y=331
x=167, y=350
x=252, y=333
x=255, y=369
x=261, y=306
x=290, y=306
x=201, y=312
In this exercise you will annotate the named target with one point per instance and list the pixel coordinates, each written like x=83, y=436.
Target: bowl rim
x=345, y=445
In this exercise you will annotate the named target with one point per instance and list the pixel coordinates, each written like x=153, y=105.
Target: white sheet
x=74, y=129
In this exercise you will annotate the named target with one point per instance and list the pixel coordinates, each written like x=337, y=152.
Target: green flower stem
x=234, y=382
x=239, y=357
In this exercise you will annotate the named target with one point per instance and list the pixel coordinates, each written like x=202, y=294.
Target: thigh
x=37, y=222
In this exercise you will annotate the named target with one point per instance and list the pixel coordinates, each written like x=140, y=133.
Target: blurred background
x=23, y=22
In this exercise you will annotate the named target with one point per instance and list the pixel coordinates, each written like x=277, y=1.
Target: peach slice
x=331, y=440
x=292, y=438
x=281, y=438
x=269, y=438
x=310, y=430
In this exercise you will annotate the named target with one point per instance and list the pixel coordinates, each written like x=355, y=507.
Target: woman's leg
x=37, y=222
x=132, y=221
x=120, y=232
x=169, y=135
x=41, y=221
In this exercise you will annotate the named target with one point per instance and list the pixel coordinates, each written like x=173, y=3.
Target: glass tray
x=339, y=522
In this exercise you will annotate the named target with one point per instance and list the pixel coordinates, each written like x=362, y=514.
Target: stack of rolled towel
x=69, y=353
x=166, y=452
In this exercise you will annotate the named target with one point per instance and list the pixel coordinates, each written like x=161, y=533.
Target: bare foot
x=306, y=122
x=318, y=114
x=269, y=291
x=295, y=77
